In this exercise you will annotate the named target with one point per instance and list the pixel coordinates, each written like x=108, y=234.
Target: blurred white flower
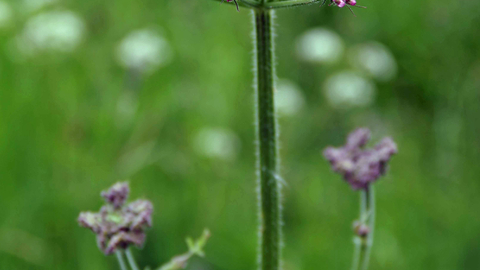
x=217, y=143
x=30, y=6
x=320, y=45
x=289, y=98
x=348, y=89
x=5, y=14
x=376, y=59
x=144, y=50
x=59, y=31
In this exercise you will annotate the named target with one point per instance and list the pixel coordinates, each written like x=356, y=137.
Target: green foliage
x=196, y=247
x=63, y=137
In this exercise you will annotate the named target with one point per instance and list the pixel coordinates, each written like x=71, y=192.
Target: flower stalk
x=121, y=260
x=364, y=233
x=267, y=146
x=360, y=168
x=131, y=259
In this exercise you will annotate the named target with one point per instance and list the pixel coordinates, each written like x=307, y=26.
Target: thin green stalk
x=357, y=240
x=121, y=261
x=363, y=245
x=267, y=150
x=131, y=259
x=371, y=226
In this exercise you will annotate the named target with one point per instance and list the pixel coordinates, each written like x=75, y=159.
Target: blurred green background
x=159, y=93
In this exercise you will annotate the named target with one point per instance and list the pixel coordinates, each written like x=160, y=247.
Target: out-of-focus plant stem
x=131, y=259
x=121, y=261
x=267, y=146
x=363, y=245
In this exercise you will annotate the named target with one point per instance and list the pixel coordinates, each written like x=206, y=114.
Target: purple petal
x=358, y=138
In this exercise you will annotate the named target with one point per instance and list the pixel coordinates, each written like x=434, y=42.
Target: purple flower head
x=359, y=166
x=351, y=2
x=117, y=194
x=339, y=3
x=117, y=225
x=342, y=3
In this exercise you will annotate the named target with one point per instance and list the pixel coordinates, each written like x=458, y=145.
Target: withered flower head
x=359, y=166
x=117, y=225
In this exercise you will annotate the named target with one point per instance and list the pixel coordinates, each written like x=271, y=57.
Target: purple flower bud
x=351, y=2
x=358, y=166
x=117, y=194
x=117, y=225
x=340, y=3
x=361, y=229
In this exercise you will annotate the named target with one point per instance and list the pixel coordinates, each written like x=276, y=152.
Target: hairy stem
x=273, y=4
x=131, y=259
x=363, y=246
x=267, y=150
x=120, y=259
x=292, y=4
x=241, y=3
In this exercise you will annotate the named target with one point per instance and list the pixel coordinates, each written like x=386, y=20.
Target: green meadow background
x=72, y=122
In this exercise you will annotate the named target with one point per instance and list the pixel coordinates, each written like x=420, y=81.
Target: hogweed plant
x=360, y=168
x=269, y=181
x=119, y=225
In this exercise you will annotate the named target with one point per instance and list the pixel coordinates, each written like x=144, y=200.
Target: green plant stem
x=273, y=4
x=292, y=4
x=131, y=259
x=371, y=226
x=241, y=3
x=357, y=253
x=267, y=150
x=120, y=259
x=363, y=246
